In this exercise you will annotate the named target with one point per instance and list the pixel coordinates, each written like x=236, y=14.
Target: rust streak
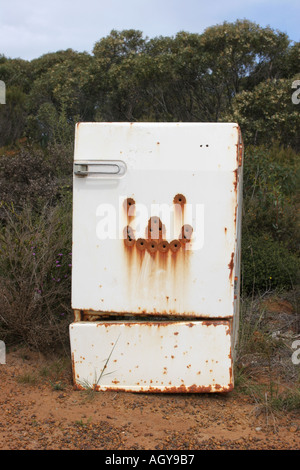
x=231, y=265
x=129, y=207
x=186, y=233
x=236, y=179
x=175, y=245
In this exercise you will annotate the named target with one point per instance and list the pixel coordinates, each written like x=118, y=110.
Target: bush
x=34, y=176
x=35, y=277
x=267, y=264
x=271, y=177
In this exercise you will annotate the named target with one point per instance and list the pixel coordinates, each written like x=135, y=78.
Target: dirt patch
x=39, y=409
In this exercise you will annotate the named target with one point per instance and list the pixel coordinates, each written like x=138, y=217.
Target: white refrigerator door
x=176, y=179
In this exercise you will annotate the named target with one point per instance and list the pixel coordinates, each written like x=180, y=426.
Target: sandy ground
x=39, y=410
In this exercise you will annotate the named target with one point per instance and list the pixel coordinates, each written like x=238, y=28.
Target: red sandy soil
x=40, y=410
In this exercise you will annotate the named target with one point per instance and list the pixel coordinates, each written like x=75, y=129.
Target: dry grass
x=35, y=272
x=269, y=326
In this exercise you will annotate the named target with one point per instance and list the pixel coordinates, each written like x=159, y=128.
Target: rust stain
x=163, y=246
x=231, y=265
x=186, y=233
x=179, y=199
x=166, y=389
x=129, y=238
x=168, y=258
x=236, y=179
x=128, y=205
x=179, y=202
x=175, y=245
x=77, y=315
x=186, y=316
x=155, y=230
x=129, y=208
x=141, y=244
x=152, y=246
x=191, y=389
x=240, y=148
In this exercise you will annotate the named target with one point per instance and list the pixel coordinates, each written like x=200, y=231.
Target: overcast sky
x=30, y=28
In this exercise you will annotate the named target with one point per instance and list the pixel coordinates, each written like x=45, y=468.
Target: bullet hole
x=152, y=246
x=141, y=244
x=163, y=246
x=129, y=241
x=179, y=199
x=175, y=245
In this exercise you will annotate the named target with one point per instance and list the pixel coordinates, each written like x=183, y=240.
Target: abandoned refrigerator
x=156, y=256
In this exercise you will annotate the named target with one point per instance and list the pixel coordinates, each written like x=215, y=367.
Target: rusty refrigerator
x=156, y=256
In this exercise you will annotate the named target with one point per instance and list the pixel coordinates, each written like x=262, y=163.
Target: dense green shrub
x=271, y=237
x=267, y=264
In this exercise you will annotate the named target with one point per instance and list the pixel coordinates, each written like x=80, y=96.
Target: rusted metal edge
x=172, y=389
x=239, y=147
x=98, y=315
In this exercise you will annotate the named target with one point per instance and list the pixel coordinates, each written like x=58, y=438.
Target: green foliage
x=16, y=73
x=13, y=116
x=271, y=179
x=240, y=50
x=266, y=114
x=270, y=238
x=267, y=264
x=237, y=71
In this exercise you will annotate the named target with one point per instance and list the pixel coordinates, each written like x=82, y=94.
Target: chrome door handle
x=101, y=168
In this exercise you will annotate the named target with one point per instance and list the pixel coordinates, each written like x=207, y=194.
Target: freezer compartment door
x=140, y=356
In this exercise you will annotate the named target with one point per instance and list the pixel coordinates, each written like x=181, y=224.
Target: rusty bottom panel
x=137, y=356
